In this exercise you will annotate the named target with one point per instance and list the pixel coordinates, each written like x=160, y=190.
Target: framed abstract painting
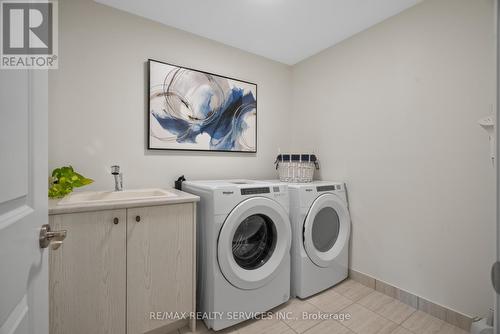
x=200, y=111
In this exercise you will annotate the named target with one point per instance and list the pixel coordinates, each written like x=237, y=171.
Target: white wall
x=393, y=111
x=98, y=99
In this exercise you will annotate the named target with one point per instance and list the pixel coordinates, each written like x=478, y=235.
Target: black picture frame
x=149, y=61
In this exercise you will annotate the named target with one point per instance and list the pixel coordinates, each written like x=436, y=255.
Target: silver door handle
x=54, y=239
x=495, y=276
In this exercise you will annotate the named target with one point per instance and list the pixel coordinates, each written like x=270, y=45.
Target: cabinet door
x=87, y=274
x=160, y=255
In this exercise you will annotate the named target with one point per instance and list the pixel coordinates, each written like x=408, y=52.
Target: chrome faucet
x=115, y=171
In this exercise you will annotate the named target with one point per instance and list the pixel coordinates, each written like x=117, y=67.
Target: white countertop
x=181, y=197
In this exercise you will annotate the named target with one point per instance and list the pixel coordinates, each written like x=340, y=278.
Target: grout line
x=293, y=330
x=418, y=300
x=322, y=321
x=342, y=309
x=362, y=306
x=341, y=324
x=401, y=324
x=396, y=300
x=377, y=313
x=408, y=317
x=366, y=308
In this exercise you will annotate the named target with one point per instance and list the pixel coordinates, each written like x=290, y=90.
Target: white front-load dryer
x=243, y=249
x=321, y=228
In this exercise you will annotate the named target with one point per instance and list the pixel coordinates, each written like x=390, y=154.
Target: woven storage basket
x=296, y=168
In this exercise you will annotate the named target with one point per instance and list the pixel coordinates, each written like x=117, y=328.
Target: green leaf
x=56, y=172
x=86, y=181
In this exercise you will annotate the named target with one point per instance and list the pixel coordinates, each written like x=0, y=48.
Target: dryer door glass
x=254, y=241
x=325, y=229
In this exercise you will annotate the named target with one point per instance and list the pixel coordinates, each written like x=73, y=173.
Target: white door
x=497, y=295
x=254, y=243
x=326, y=229
x=23, y=202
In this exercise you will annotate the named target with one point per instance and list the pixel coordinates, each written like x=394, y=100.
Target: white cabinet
x=160, y=265
x=87, y=274
x=115, y=267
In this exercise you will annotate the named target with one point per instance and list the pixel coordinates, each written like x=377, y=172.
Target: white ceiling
x=287, y=31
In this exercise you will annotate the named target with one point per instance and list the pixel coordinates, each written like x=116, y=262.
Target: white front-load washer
x=243, y=249
x=321, y=228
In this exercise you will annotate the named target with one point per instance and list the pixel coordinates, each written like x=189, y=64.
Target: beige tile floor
x=371, y=313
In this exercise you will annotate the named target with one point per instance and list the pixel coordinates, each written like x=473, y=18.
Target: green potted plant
x=64, y=180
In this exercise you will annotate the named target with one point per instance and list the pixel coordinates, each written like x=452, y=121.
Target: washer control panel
x=255, y=191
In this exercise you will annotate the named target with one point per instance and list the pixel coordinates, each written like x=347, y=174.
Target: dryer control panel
x=332, y=187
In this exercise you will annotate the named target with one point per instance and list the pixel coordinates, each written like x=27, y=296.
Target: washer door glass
x=325, y=229
x=254, y=241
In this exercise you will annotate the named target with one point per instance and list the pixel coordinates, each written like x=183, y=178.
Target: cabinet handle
x=137, y=218
x=116, y=221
